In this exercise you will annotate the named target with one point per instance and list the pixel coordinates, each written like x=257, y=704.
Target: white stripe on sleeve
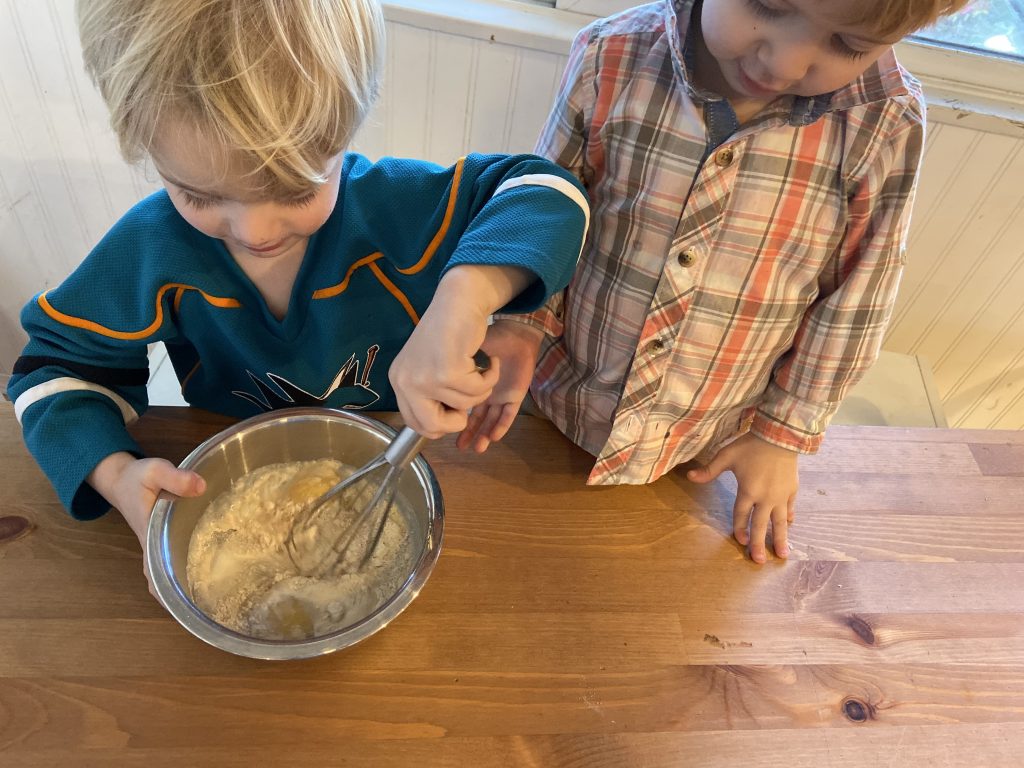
x=68, y=384
x=551, y=181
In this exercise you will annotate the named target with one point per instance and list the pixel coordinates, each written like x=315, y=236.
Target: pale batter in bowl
x=241, y=576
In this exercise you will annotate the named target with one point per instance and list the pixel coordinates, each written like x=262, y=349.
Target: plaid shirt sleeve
x=563, y=140
x=842, y=333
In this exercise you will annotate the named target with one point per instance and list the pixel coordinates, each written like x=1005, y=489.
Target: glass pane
x=990, y=26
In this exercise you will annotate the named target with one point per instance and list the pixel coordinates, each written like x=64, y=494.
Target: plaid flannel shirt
x=735, y=276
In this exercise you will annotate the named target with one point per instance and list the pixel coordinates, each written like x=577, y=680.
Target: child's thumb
x=182, y=482
x=704, y=474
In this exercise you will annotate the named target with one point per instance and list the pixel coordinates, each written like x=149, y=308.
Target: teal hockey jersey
x=367, y=276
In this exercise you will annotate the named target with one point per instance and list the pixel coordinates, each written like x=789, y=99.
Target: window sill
x=508, y=22
x=970, y=90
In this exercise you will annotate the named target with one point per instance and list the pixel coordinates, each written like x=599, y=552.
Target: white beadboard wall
x=62, y=184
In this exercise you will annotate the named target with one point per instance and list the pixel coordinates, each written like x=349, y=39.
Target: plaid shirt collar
x=871, y=86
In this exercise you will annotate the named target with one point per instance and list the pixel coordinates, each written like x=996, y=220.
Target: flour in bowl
x=241, y=576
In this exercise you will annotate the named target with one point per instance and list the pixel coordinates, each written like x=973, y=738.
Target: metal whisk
x=337, y=557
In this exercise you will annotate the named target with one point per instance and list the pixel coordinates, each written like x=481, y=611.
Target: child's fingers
x=436, y=428
x=700, y=475
x=460, y=390
x=780, y=531
x=475, y=435
x=186, y=484
x=483, y=437
x=468, y=435
x=759, y=534
x=719, y=463
x=486, y=424
x=476, y=383
x=741, y=518
x=432, y=419
x=493, y=413
x=497, y=425
x=468, y=392
x=504, y=423
x=163, y=476
x=460, y=401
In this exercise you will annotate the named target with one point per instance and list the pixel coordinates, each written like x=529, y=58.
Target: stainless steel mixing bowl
x=295, y=434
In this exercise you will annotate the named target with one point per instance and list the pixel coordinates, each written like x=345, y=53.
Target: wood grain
x=564, y=625
x=957, y=746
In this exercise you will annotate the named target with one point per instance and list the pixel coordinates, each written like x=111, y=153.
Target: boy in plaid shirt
x=751, y=166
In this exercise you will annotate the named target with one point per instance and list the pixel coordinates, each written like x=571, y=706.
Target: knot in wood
x=14, y=527
x=861, y=629
x=856, y=710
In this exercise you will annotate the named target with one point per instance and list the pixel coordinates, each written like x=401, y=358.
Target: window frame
x=962, y=87
x=964, y=81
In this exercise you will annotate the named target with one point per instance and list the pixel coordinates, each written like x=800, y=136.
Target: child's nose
x=793, y=50
x=255, y=225
x=789, y=63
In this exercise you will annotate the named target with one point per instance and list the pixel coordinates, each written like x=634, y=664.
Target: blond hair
x=895, y=19
x=285, y=82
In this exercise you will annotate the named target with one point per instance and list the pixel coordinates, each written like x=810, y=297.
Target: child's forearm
x=105, y=476
x=482, y=289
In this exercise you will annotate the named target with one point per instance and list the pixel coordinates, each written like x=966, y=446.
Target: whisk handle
x=404, y=448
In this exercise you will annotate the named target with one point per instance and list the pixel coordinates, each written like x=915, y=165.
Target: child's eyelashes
x=197, y=201
x=764, y=11
x=303, y=201
x=843, y=48
x=201, y=202
x=837, y=43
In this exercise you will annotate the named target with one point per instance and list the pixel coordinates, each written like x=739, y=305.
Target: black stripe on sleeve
x=107, y=377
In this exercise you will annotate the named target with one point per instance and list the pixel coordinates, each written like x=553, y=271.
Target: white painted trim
x=967, y=89
x=964, y=86
x=509, y=22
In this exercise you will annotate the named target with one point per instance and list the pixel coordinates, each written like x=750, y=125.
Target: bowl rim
x=173, y=597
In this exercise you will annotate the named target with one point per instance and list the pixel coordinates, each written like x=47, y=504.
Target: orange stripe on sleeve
x=428, y=254
x=443, y=231
x=102, y=330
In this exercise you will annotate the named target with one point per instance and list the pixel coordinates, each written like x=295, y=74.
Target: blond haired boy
x=278, y=269
x=751, y=166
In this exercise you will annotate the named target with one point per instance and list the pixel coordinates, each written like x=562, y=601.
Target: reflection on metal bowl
x=296, y=434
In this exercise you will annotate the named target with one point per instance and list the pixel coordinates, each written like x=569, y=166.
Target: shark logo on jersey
x=348, y=389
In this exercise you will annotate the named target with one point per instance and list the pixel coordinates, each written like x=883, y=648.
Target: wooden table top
x=563, y=625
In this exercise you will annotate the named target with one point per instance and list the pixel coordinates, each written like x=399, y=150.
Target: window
x=972, y=62
x=989, y=26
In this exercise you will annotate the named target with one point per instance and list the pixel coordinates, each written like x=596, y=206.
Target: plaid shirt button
x=724, y=157
x=687, y=258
